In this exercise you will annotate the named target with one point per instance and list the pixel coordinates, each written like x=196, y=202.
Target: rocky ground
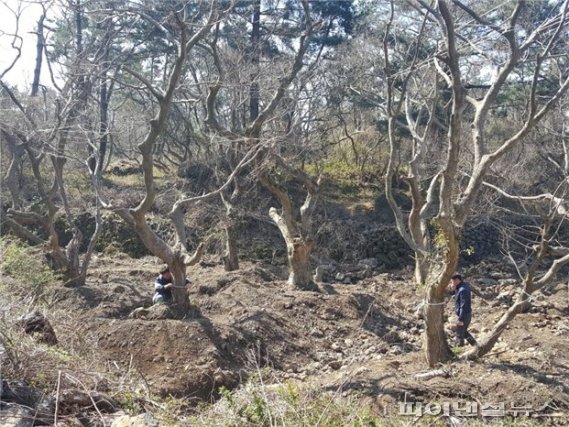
x=359, y=337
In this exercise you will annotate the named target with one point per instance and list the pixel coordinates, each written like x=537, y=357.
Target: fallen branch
x=432, y=374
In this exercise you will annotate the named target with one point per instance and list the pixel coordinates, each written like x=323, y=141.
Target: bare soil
x=362, y=338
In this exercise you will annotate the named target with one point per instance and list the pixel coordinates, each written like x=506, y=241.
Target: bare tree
x=552, y=209
x=176, y=255
x=38, y=137
x=298, y=240
x=468, y=114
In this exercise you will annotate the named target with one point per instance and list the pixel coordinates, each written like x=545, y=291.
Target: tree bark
x=181, y=301
x=436, y=346
x=14, y=173
x=298, y=251
x=421, y=268
x=447, y=246
x=230, y=256
x=300, y=271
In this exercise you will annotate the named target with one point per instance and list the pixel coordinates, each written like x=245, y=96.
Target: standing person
x=163, y=286
x=463, y=308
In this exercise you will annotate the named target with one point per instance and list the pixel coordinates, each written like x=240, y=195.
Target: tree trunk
x=14, y=173
x=254, y=93
x=231, y=254
x=181, y=301
x=72, y=275
x=300, y=271
x=436, y=346
x=230, y=257
x=421, y=268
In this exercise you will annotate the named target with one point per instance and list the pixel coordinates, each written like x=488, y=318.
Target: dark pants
x=462, y=332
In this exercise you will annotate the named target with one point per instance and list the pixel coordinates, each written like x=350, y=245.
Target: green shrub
x=22, y=263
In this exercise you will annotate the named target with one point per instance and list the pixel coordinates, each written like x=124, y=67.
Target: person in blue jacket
x=463, y=309
x=163, y=286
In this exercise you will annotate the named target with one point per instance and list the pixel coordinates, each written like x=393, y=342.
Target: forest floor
x=360, y=341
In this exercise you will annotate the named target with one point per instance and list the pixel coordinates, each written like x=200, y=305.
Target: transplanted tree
x=457, y=89
x=282, y=41
x=531, y=206
x=180, y=30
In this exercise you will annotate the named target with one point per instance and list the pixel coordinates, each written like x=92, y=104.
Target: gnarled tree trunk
x=297, y=235
x=443, y=266
x=300, y=269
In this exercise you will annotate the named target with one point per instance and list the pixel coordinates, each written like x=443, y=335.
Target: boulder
x=154, y=312
x=37, y=325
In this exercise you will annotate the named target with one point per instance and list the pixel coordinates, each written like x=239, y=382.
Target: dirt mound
x=182, y=358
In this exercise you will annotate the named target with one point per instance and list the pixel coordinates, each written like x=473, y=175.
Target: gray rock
x=370, y=262
x=317, y=333
x=395, y=350
x=340, y=277
x=21, y=394
x=142, y=420
x=335, y=364
x=506, y=295
x=16, y=416
x=507, y=282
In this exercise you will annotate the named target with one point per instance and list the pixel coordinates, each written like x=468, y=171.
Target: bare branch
x=196, y=257
x=158, y=94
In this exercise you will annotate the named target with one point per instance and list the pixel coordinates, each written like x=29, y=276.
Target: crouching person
x=163, y=287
